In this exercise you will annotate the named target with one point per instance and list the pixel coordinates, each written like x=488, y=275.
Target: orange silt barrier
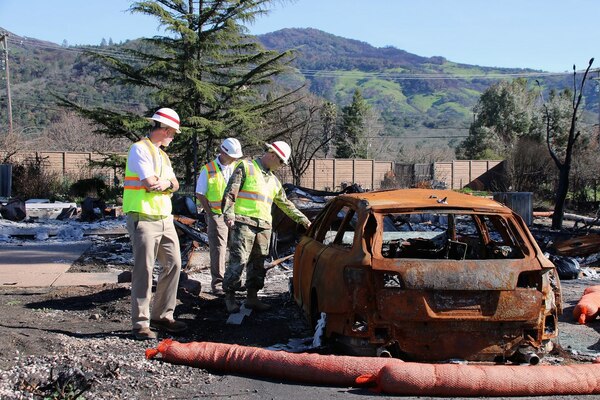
x=591, y=289
x=388, y=375
x=253, y=361
x=412, y=379
x=588, y=306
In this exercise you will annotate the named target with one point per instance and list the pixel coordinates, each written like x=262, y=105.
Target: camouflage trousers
x=249, y=248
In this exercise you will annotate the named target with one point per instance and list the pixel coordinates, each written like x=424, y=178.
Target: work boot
x=168, y=325
x=253, y=303
x=231, y=304
x=143, y=334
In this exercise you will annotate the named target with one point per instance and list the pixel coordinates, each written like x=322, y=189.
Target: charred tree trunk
x=561, y=196
x=564, y=167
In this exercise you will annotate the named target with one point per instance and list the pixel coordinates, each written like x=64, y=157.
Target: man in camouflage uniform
x=246, y=207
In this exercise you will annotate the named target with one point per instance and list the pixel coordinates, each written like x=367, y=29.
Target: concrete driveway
x=44, y=265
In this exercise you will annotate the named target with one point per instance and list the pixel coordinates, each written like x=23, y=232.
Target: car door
x=344, y=248
x=308, y=251
x=323, y=238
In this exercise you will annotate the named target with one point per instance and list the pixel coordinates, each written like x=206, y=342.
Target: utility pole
x=3, y=38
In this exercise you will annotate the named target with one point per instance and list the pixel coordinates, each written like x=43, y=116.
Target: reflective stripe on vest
x=256, y=195
x=215, y=186
x=135, y=196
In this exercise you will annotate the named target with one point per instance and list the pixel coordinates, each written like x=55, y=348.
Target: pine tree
x=207, y=68
x=351, y=140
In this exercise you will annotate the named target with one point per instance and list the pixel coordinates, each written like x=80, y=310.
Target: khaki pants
x=249, y=249
x=153, y=239
x=217, y=240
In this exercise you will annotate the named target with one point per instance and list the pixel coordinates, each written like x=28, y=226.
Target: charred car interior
x=427, y=275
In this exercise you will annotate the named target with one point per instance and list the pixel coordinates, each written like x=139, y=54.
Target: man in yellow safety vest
x=149, y=182
x=247, y=201
x=209, y=191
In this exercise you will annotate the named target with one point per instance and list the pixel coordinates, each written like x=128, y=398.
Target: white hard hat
x=282, y=149
x=168, y=117
x=232, y=147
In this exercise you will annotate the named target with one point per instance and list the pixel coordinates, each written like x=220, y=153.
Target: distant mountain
x=41, y=70
x=416, y=96
x=322, y=50
x=413, y=93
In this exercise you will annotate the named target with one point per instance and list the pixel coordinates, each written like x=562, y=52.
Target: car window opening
x=448, y=236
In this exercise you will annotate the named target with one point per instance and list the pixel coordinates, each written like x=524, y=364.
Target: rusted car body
x=427, y=275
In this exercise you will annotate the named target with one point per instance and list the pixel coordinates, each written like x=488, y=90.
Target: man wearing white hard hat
x=149, y=184
x=209, y=190
x=247, y=201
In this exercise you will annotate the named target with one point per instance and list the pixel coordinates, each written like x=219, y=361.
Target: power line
x=394, y=76
x=107, y=52
x=383, y=138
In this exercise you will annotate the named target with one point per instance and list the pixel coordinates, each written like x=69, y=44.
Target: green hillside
x=413, y=94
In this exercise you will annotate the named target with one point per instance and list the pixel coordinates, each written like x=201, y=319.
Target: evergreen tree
x=103, y=42
x=505, y=112
x=351, y=140
x=207, y=68
x=329, y=118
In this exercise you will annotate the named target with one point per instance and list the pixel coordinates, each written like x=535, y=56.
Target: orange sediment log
x=387, y=375
x=412, y=379
x=588, y=306
x=299, y=367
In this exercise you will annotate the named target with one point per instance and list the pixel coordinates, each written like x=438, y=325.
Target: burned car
x=427, y=275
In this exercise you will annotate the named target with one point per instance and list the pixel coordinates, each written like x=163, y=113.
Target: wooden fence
x=71, y=165
x=322, y=174
x=333, y=174
x=459, y=173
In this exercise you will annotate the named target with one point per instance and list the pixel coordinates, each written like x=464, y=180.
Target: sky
x=550, y=35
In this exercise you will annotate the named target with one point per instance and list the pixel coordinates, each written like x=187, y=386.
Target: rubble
x=579, y=245
x=50, y=330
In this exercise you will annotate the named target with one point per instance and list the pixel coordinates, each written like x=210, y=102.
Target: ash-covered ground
x=69, y=341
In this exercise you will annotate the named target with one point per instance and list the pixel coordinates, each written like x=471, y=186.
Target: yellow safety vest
x=215, y=186
x=135, y=196
x=255, y=197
